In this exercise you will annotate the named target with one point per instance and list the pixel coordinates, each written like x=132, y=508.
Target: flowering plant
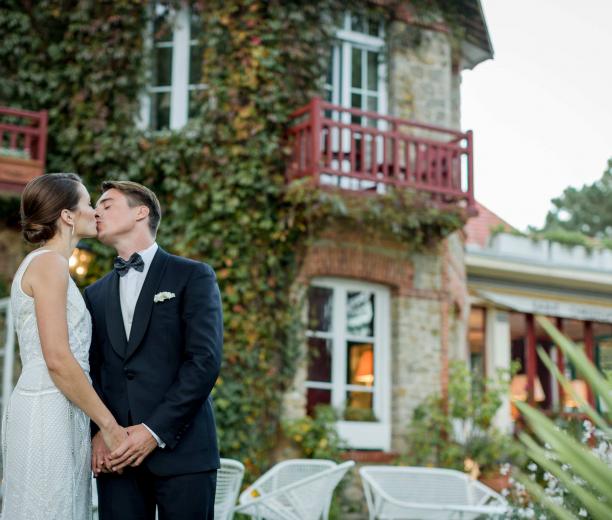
x=458, y=431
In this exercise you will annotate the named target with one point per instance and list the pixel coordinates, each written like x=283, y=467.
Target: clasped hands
x=130, y=448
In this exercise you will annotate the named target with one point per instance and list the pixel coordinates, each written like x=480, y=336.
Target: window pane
x=195, y=25
x=163, y=67
x=195, y=64
x=373, y=27
x=359, y=406
x=329, y=78
x=357, y=23
x=356, y=68
x=320, y=301
x=372, y=107
x=360, y=364
x=316, y=396
x=356, y=103
x=162, y=24
x=160, y=110
x=319, y=359
x=372, y=70
x=360, y=314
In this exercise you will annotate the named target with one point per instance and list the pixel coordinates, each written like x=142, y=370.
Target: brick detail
x=351, y=260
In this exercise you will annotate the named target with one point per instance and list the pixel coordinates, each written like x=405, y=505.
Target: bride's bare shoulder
x=48, y=270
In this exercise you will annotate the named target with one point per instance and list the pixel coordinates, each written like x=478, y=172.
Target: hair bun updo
x=42, y=202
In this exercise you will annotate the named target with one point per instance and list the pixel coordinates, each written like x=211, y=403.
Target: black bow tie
x=122, y=266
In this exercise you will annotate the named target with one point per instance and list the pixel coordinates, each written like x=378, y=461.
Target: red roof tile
x=478, y=229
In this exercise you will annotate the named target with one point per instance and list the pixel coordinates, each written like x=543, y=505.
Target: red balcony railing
x=360, y=150
x=23, y=147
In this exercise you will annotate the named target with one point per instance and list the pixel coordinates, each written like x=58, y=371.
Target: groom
x=155, y=356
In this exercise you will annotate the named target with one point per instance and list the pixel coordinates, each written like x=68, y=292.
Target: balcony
x=365, y=151
x=23, y=144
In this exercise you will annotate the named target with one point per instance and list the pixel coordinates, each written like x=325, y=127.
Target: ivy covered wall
x=221, y=178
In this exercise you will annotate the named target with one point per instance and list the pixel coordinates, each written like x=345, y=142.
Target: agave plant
x=585, y=476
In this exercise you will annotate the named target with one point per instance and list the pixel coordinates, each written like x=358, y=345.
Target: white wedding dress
x=46, y=446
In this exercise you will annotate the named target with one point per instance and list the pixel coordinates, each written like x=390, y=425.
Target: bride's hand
x=114, y=436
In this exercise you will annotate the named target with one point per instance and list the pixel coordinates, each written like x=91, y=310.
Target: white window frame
x=359, y=434
x=345, y=41
x=179, y=84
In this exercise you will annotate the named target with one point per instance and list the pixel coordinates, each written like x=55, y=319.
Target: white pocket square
x=162, y=296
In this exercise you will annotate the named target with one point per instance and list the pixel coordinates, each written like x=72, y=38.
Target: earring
x=71, y=229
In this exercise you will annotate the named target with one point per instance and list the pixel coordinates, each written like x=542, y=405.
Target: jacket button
x=129, y=374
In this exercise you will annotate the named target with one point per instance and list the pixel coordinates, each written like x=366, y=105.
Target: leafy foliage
x=316, y=437
x=220, y=179
x=448, y=432
x=585, y=476
x=586, y=210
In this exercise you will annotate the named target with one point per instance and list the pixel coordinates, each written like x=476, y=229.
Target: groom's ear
x=142, y=212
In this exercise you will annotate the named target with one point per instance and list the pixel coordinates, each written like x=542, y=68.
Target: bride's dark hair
x=42, y=202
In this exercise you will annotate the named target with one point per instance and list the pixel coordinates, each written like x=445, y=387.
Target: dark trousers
x=135, y=494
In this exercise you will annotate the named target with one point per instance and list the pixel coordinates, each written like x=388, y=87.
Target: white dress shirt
x=130, y=286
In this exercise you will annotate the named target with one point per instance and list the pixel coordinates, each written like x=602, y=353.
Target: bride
x=46, y=429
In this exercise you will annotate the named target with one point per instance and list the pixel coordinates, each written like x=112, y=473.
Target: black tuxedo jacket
x=164, y=374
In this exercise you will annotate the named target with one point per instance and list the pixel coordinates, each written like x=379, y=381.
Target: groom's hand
x=99, y=455
x=134, y=449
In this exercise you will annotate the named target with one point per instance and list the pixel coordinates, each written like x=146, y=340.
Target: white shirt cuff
x=159, y=442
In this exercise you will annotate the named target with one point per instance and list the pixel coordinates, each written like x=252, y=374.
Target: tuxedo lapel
x=144, y=305
x=114, y=320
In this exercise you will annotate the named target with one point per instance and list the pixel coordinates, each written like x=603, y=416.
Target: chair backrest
x=283, y=474
x=229, y=480
x=420, y=485
x=305, y=499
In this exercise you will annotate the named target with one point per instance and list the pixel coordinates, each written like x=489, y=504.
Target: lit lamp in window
x=80, y=260
x=365, y=369
x=580, y=387
x=518, y=391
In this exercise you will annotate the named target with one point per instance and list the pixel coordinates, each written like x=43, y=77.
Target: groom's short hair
x=138, y=195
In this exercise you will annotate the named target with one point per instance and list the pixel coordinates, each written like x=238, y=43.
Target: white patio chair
x=285, y=473
x=408, y=493
x=305, y=499
x=229, y=480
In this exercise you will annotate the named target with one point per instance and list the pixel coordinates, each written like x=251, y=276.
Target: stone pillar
x=498, y=355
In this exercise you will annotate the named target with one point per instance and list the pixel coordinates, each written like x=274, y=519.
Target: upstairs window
x=175, y=73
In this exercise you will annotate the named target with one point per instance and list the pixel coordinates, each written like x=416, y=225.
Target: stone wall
x=423, y=81
x=428, y=295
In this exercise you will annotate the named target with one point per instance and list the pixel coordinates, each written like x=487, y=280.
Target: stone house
x=383, y=322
